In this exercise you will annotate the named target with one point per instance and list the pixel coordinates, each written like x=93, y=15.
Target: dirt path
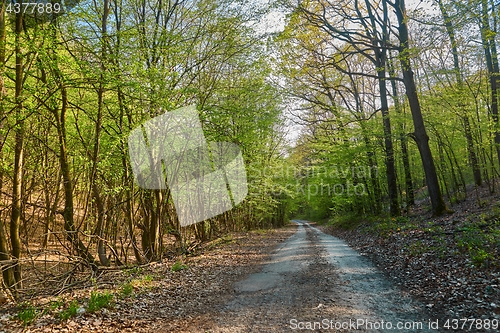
x=285, y=280
x=316, y=282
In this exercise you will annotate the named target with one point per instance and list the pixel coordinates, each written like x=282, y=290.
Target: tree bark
x=8, y=273
x=420, y=133
x=410, y=194
x=99, y=202
x=389, y=149
x=17, y=183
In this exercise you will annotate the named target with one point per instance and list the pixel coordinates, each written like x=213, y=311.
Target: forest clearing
x=156, y=154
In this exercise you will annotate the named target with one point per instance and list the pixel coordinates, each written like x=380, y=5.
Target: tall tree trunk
x=99, y=204
x=68, y=212
x=377, y=193
x=420, y=133
x=17, y=183
x=124, y=124
x=389, y=150
x=410, y=194
x=379, y=43
x=8, y=274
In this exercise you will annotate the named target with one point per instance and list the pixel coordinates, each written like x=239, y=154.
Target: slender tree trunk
x=68, y=212
x=476, y=169
x=18, y=155
x=129, y=183
x=410, y=194
x=379, y=42
x=99, y=201
x=491, y=56
x=389, y=150
x=8, y=274
x=420, y=133
x=376, y=192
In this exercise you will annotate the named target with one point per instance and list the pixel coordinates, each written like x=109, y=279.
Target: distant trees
x=414, y=52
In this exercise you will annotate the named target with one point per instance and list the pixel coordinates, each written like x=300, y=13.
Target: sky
x=275, y=22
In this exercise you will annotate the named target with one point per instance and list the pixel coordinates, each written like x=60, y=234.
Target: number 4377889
x=33, y=8
x=472, y=324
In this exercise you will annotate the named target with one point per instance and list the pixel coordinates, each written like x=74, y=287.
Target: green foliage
x=387, y=226
x=55, y=304
x=99, y=301
x=148, y=278
x=178, y=266
x=349, y=221
x=70, y=311
x=133, y=271
x=479, y=240
x=480, y=256
x=204, y=52
x=126, y=290
x=417, y=248
x=28, y=313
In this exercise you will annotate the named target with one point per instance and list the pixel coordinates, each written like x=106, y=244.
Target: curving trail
x=315, y=282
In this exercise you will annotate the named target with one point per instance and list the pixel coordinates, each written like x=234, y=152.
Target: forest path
x=316, y=282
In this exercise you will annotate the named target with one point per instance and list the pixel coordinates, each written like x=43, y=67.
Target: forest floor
x=269, y=281
x=175, y=295
x=445, y=268
x=451, y=263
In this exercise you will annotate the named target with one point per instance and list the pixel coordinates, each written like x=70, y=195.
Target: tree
x=420, y=134
x=17, y=186
x=368, y=35
x=450, y=30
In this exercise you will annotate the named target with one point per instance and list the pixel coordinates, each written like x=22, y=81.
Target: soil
x=316, y=282
x=424, y=256
x=290, y=279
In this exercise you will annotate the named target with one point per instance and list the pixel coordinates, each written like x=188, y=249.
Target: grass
x=127, y=290
x=99, y=301
x=56, y=304
x=96, y=302
x=132, y=271
x=349, y=221
x=148, y=278
x=70, y=311
x=387, y=226
x=28, y=313
x=479, y=241
x=417, y=248
x=144, y=281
